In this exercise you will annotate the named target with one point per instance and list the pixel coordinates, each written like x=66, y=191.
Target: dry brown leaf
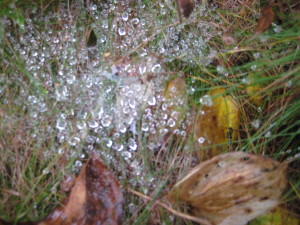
x=232, y=188
x=265, y=20
x=95, y=198
x=216, y=125
x=228, y=39
x=186, y=6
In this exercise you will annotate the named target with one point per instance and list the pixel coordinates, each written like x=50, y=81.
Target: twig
x=171, y=210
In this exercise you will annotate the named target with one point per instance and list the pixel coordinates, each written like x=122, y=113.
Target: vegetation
x=260, y=72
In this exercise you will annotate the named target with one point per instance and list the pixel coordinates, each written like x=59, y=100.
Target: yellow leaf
x=253, y=89
x=217, y=123
x=232, y=188
x=279, y=216
x=176, y=100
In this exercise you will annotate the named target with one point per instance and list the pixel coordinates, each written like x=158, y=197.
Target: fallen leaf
x=265, y=20
x=217, y=124
x=253, y=89
x=94, y=199
x=176, y=99
x=227, y=39
x=186, y=6
x=232, y=188
x=278, y=216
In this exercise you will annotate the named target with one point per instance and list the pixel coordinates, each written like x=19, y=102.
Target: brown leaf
x=232, y=188
x=94, y=199
x=187, y=7
x=265, y=20
x=228, y=39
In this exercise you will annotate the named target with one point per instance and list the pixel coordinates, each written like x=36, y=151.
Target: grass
x=33, y=162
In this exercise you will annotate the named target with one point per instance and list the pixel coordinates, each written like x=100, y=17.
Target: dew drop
x=127, y=155
x=74, y=141
x=145, y=127
x=201, y=140
x=152, y=101
x=125, y=16
x=61, y=124
x=132, y=144
x=93, y=124
x=171, y=122
x=156, y=68
x=119, y=147
x=108, y=142
x=206, y=100
x=122, y=31
x=78, y=164
x=255, y=123
x=46, y=171
x=106, y=121
x=122, y=128
x=135, y=21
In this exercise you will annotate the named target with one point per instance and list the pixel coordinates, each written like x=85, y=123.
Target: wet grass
x=30, y=174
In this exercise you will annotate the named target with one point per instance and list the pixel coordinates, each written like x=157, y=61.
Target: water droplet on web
x=255, y=123
x=161, y=50
x=106, y=121
x=156, y=68
x=142, y=69
x=289, y=83
x=152, y=130
x=254, y=67
x=132, y=144
x=127, y=155
x=176, y=132
x=163, y=131
x=60, y=151
x=206, y=100
x=145, y=127
x=108, y=142
x=164, y=106
x=46, y=171
x=125, y=16
x=119, y=147
x=74, y=141
x=183, y=133
x=78, y=164
x=122, y=128
x=135, y=21
x=93, y=124
x=122, y=31
x=221, y=164
x=201, y=140
x=61, y=124
x=132, y=103
x=221, y=70
x=171, y=122
x=256, y=55
x=152, y=101
x=268, y=134
x=126, y=110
